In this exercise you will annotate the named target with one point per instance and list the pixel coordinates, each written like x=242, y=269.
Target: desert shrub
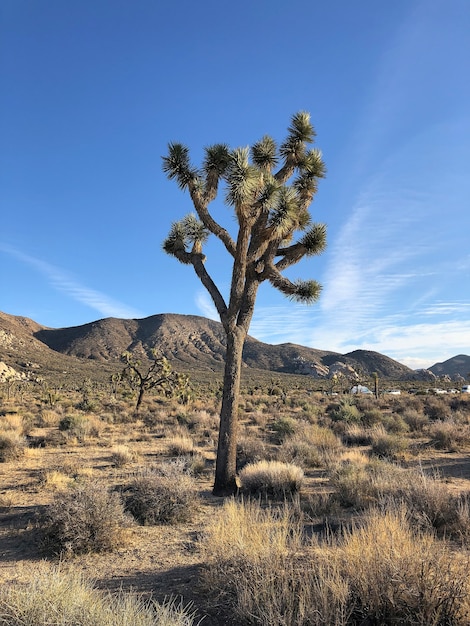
x=345, y=411
x=449, y=436
x=75, y=425
x=180, y=443
x=250, y=450
x=356, y=435
x=49, y=417
x=59, y=597
x=311, y=446
x=271, y=478
x=86, y=518
x=54, y=480
x=256, y=560
x=372, y=416
x=394, y=423
x=360, y=484
x=461, y=529
x=11, y=446
x=283, y=427
x=300, y=452
x=397, y=575
x=15, y=422
x=437, y=409
x=429, y=502
x=163, y=495
x=121, y=455
x=415, y=420
x=388, y=446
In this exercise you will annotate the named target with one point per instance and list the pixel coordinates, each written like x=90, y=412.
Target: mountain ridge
x=192, y=341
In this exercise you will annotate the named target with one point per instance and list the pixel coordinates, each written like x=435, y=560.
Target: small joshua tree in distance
x=158, y=375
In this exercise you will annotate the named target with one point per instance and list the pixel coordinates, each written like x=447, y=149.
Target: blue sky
x=93, y=91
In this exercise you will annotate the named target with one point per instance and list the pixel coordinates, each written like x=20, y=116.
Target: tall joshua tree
x=270, y=190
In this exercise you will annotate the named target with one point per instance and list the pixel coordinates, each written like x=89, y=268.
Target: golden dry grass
x=281, y=574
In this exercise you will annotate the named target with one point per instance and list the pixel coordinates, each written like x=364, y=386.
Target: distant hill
x=189, y=340
x=456, y=366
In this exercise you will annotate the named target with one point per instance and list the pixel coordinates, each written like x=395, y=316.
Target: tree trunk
x=225, y=471
x=140, y=397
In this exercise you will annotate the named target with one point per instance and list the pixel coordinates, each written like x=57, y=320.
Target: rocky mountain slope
x=194, y=341
x=456, y=366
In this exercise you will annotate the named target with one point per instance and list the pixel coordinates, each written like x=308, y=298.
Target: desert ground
x=348, y=457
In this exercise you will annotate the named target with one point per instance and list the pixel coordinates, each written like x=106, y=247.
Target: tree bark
x=225, y=471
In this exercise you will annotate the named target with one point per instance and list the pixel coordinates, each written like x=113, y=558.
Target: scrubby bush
x=271, y=478
x=388, y=446
x=311, y=446
x=11, y=446
x=397, y=575
x=59, y=597
x=180, y=444
x=449, y=436
x=121, y=455
x=75, y=425
x=379, y=572
x=437, y=409
x=250, y=449
x=163, y=495
x=283, y=427
x=345, y=411
x=86, y=518
x=415, y=420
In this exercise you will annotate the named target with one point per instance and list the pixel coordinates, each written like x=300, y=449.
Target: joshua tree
x=270, y=190
x=158, y=375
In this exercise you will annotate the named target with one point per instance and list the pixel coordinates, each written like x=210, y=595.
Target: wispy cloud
x=206, y=306
x=64, y=283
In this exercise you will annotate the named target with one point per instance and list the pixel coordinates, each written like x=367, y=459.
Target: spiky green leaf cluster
x=301, y=132
x=283, y=216
x=217, y=159
x=184, y=233
x=177, y=165
x=264, y=153
x=314, y=240
x=306, y=291
x=243, y=179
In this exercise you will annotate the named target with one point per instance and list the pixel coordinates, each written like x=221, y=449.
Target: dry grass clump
x=14, y=422
x=430, y=504
x=271, y=478
x=386, y=445
x=254, y=558
x=311, y=446
x=449, y=436
x=121, y=455
x=180, y=444
x=381, y=572
x=54, y=480
x=250, y=449
x=59, y=597
x=49, y=417
x=163, y=495
x=398, y=575
x=75, y=425
x=437, y=409
x=86, y=518
x=12, y=445
x=345, y=411
x=415, y=420
x=282, y=427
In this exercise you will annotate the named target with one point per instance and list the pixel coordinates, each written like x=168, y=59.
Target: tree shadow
x=19, y=537
x=181, y=584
